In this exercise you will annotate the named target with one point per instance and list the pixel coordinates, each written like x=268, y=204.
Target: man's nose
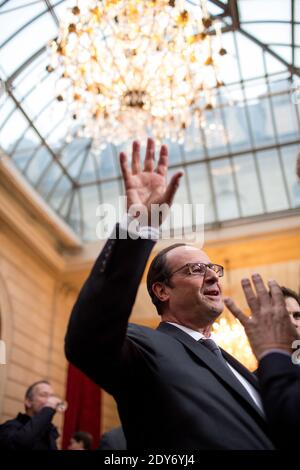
x=211, y=275
x=295, y=323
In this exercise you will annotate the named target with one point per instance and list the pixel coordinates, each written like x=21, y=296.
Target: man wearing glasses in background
x=175, y=388
x=292, y=303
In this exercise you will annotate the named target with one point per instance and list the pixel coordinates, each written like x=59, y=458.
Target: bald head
x=181, y=255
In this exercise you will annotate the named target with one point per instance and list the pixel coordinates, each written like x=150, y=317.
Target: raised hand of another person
x=148, y=185
x=56, y=403
x=269, y=326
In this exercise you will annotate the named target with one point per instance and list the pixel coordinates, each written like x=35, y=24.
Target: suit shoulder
x=139, y=334
x=135, y=331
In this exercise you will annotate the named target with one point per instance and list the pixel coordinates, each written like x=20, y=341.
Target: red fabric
x=83, y=412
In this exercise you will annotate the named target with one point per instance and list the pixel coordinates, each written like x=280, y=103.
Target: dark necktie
x=214, y=348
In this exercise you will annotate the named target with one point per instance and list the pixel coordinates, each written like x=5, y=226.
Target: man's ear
x=28, y=403
x=161, y=291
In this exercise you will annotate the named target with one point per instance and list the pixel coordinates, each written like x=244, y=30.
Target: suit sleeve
x=96, y=339
x=16, y=437
x=280, y=389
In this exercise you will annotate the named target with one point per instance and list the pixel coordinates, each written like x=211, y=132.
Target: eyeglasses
x=199, y=269
x=295, y=315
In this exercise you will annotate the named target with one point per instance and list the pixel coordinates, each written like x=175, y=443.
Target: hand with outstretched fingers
x=148, y=185
x=269, y=326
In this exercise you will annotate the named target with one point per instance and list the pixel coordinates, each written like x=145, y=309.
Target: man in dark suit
x=273, y=338
x=174, y=387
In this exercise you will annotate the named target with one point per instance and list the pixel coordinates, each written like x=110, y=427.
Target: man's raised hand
x=148, y=185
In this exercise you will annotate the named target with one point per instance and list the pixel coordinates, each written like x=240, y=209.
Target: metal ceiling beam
x=225, y=29
x=46, y=145
x=19, y=7
x=270, y=22
x=51, y=10
x=220, y=4
x=191, y=163
x=234, y=13
x=282, y=45
x=293, y=31
x=3, y=3
x=24, y=26
x=23, y=66
x=291, y=68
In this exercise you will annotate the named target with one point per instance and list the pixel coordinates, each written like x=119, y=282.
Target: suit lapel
x=252, y=379
x=212, y=362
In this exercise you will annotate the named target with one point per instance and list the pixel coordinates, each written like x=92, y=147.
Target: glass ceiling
x=241, y=164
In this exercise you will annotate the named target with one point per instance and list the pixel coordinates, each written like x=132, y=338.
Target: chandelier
x=130, y=69
x=230, y=335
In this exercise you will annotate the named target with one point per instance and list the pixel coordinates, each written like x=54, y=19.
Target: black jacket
x=171, y=391
x=26, y=433
x=280, y=390
x=113, y=440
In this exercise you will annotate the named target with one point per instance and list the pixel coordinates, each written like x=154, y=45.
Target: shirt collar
x=193, y=333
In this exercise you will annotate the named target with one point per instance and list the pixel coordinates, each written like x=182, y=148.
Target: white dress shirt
x=131, y=225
